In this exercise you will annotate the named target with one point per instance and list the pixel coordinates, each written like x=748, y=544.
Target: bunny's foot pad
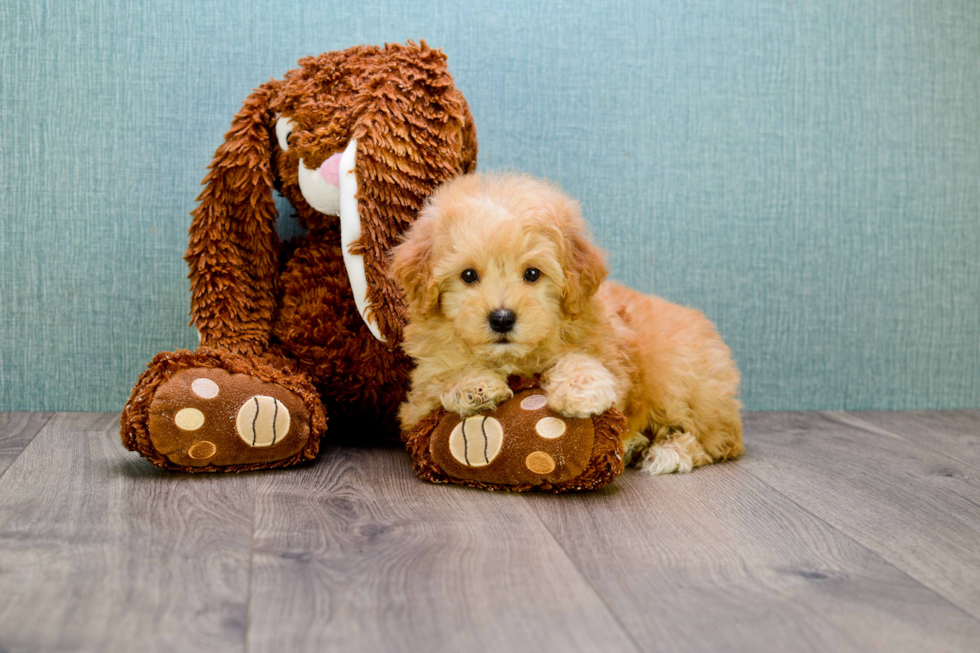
x=215, y=411
x=520, y=446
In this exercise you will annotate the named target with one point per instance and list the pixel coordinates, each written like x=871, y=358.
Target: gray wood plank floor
x=835, y=532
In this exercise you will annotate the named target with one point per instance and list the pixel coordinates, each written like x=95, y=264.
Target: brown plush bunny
x=292, y=332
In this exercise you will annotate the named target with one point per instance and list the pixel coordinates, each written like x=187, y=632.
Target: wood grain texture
x=16, y=432
x=955, y=433
x=99, y=551
x=716, y=560
x=357, y=554
x=916, y=508
x=835, y=532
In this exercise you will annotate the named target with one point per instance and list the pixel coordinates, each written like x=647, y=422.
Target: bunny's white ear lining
x=337, y=200
x=350, y=233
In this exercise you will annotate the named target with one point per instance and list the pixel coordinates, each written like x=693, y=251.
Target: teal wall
x=806, y=173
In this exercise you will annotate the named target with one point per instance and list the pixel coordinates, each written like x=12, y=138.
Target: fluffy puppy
x=500, y=278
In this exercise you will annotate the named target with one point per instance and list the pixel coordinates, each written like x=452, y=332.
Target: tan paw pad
x=204, y=388
x=550, y=427
x=202, y=450
x=189, y=419
x=262, y=421
x=476, y=441
x=539, y=462
x=534, y=402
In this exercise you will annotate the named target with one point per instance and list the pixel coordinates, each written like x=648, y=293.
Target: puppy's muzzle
x=502, y=320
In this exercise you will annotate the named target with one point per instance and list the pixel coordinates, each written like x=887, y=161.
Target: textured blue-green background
x=806, y=173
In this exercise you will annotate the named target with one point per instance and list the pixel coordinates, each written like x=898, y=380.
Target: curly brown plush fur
x=290, y=306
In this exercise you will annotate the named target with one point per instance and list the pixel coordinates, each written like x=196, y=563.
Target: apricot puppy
x=501, y=278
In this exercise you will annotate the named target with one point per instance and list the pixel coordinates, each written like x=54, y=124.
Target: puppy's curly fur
x=597, y=344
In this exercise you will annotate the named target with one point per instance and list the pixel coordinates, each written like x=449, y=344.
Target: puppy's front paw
x=580, y=386
x=581, y=401
x=476, y=394
x=634, y=445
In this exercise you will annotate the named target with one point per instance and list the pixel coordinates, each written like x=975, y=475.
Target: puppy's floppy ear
x=233, y=249
x=584, y=264
x=411, y=267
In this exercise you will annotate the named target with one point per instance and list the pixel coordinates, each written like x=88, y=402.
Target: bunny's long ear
x=409, y=141
x=233, y=250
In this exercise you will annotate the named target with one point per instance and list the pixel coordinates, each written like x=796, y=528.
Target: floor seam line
x=585, y=578
x=41, y=428
x=251, y=566
x=907, y=440
x=867, y=548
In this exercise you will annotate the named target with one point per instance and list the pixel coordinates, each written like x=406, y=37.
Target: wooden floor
x=835, y=532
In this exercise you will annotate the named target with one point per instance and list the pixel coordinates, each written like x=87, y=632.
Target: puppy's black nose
x=502, y=320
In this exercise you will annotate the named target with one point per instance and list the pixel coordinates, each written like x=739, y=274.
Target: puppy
x=500, y=278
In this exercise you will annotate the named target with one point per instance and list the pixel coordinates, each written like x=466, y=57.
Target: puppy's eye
x=532, y=274
x=469, y=276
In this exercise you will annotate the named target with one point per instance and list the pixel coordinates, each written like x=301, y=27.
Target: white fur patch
x=284, y=127
x=322, y=196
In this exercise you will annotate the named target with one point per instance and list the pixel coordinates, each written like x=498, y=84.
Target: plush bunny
x=294, y=332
